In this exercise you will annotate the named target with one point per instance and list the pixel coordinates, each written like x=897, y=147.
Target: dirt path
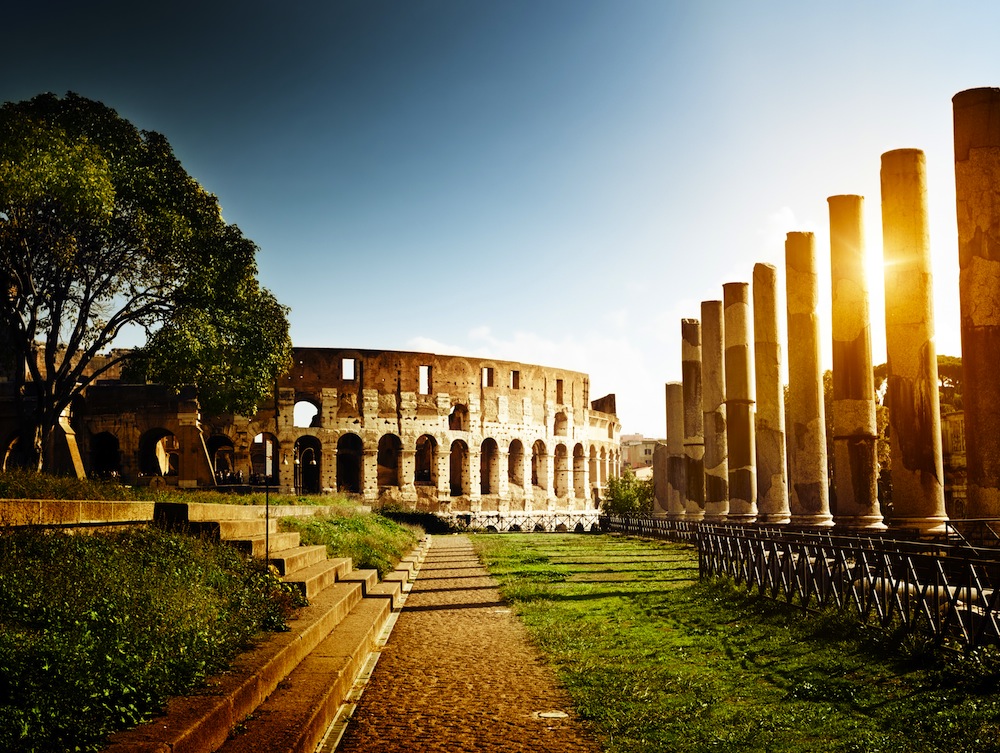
x=459, y=673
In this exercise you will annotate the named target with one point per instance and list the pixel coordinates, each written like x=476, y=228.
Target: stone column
x=855, y=464
x=912, y=396
x=694, y=438
x=713, y=400
x=740, y=404
x=772, y=482
x=809, y=499
x=676, y=484
x=977, y=177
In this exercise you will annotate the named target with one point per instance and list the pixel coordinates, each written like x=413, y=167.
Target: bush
x=96, y=632
x=628, y=495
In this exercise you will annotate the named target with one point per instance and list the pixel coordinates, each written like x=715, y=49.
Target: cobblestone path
x=459, y=673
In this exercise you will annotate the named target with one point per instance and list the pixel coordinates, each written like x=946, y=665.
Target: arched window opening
x=222, y=453
x=13, y=457
x=425, y=461
x=350, y=452
x=579, y=472
x=539, y=465
x=264, y=459
x=159, y=453
x=515, y=463
x=560, y=425
x=561, y=487
x=489, y=467
x=105, y=456
x=308, y=458
x=389, y=451
x=459, y=468
x=458, y=420
x=305, y=415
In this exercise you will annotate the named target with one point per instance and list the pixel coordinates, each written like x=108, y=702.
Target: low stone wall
x=73, y=513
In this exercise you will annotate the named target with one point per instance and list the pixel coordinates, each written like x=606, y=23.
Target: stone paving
x=459, y=672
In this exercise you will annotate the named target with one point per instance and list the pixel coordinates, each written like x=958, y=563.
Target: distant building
x=637, y=451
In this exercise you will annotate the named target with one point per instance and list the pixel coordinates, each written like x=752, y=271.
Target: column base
x=774, y=519
x=928, y=525
x=867, y=522
x=812, y=521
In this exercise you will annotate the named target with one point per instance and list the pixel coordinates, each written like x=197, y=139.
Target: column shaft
x=912, y=395
x=977, y=176
x=713, y=400
x=676, y=484
x=855, y=465
x=809, y=499
x=740, y=403
x=694, y=441
x=772, y=481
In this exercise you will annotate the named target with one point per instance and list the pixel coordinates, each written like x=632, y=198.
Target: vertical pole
x=740, y=403
x=676, y=484
x=694, y=438
x=713, y=399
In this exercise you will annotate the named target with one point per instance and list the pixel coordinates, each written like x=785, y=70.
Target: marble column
x=809, y=499
x=977, y=193
x=713, y=397
x=912, y=392
x=855, y=464
x=772, y=481
x=676, y=484
x=740, y=403
x=694, y=438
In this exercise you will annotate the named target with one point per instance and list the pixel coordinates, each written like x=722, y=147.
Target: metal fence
x=944, y=591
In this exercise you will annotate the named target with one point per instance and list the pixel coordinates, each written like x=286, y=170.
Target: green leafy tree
x=102, y=231
x=628, y=495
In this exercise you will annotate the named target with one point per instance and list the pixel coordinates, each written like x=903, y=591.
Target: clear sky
x=548, y=181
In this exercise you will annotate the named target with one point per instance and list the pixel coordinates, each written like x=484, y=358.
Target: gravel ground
x=459, y=672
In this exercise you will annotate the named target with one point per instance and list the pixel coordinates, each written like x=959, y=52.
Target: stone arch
x=350, y=453
x=425, y=461
x=458, y=419
x=594, y=474
x=390, y=450
x=305, y=414
x=308, y=465
x=561, y=486
x=221, y=452
x=12, y=456
x=105, y=455
x=489, y=467
x=459, y=468
x=579, y=472
x=264, y=459
x=539, y=465
x=159, y=453
x=560, y=426
x=603, y=467
x=515, y=463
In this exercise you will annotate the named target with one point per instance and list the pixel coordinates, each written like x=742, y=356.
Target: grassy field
x=657, y=661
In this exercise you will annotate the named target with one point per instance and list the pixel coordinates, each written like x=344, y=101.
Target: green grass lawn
x=657, y=661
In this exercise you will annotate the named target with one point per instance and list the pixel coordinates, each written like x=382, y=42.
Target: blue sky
x=548, y=181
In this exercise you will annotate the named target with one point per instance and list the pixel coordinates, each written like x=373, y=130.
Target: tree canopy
x=101, y=232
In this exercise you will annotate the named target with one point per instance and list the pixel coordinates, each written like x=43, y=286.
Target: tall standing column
x=809, y=499
x=713, y=397
x=676, y=485
x=772, y=483
x=740, y=403
x=977, y=192
x=912, y=395
x=855, y=463
x=694, y=438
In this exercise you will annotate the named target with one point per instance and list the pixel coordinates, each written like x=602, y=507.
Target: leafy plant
x=628, y=495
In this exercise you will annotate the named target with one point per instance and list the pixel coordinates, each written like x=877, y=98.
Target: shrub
x=628, y=495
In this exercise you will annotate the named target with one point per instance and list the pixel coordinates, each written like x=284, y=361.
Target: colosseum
x=445, y=434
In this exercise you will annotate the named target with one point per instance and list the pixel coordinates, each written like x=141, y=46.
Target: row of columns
x=733, y=454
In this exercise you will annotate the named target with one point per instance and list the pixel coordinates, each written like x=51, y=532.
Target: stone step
x=312, y=579
x=256, y=545
x=295, y=717
x=201, y=723
x=288, y=561
x=367, y=578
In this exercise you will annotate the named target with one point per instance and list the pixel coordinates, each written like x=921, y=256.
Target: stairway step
x=202, y=722
x=392, y=590
x=256, y=545
x=288, y=561
x=313, y=579
x=367, y=578
x=295, y=717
